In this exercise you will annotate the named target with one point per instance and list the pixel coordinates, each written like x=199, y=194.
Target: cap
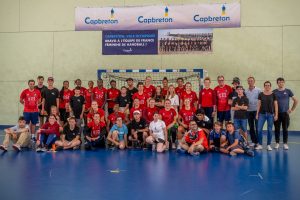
x=236, y=80
x=50, y=78
x=129, y=79
x=137, y=111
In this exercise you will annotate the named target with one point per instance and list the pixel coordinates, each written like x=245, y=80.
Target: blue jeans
x=240, y=124
x=262, y=118
x=48, y=139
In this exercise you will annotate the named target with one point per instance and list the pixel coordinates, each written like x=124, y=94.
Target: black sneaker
x=249, y=153
x=4, y=148
x=16, y=147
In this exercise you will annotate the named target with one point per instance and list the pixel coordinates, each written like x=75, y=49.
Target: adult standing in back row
x=283, y=96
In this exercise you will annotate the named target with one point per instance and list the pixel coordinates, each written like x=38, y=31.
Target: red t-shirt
x=99, y=95
x=65, y=98
x=88, y=98
x=222, y=95
x=82, y=91
x=167, y=116
x=112, y=93
x=51, y=129
x=179, y=90
x=187, y=115
x=193, y=137
x=207, y=97
x=150, y=91
x=95, y=129
x=134, y=109
x=113, y=117
x=192, y=96
x=31, y=100
x=148, y=113
x=143, y=98
x=164, y=91
x=92, y=113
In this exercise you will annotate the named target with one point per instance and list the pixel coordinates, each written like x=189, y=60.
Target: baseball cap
x=136, y=112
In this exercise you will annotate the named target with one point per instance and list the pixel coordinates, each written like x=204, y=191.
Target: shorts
x=223, y=116
x=240, y=124
x=32, y=117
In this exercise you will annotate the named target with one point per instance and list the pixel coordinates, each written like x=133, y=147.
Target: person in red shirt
x=48, y=134
x=78, y=84
x=165, y=87
x=112, y=118
x=112, y=95
x=169, y=116
x=64, y=99
x=100, y=94
x=148, y=112
x=186, y=114
x=222, y=95
x=207, y=100
x=189, y=94
x=96, y=110
x=194, y=141
x=136, y=106
x=31, y=98
x=149, y=89
x=95, y=135
x=88, y=100
x=180, y=86
x=143, y=97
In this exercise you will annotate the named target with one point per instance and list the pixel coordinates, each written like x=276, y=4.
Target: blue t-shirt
x=214, y=135
x=122, y=131
x=232, y=137
x=283, y=99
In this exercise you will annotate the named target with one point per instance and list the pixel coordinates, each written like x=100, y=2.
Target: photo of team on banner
x=143, y=116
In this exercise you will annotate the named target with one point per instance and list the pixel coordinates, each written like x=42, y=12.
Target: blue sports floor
x=138, y=174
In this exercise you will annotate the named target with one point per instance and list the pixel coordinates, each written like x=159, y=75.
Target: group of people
x=155, y=117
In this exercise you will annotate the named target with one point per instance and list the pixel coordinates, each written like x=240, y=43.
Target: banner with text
x=158, y=17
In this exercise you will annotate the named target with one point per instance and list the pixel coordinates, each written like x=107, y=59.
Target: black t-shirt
x=267, y=103
x=70, y=134
x=240, y=114
x=40, y=89
x=142, y=124
x=76, y=104
x=130, y=94
x=123, y=101
x=50, y=97
x=202, y=123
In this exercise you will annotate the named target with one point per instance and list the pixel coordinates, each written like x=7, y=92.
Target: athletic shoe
x=285, y=147
x=76, y=147
x=2, y=147
x=232, y=153
x=16, y=147
x=252, y=144
x=44, y=149
x=276, y=146
x=195, y=153
x=258, y=147
x=180, y=150
x=39, y=149
x=153, y=147
x=269, y=148
x=249, y=153
x=173, y=146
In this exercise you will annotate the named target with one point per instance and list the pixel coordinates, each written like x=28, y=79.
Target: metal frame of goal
x=195, y=76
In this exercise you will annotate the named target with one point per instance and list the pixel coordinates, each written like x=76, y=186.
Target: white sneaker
x=269, y=148
x=252, y=145
x=276, y=146
x=285, y=147
x=258, y=147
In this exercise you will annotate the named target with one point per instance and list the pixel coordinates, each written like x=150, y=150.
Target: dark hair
x=230, y=123
x=51, y=115
x=123, y=87
x=21, y=118
x=72, y=118
x=112, y=81
x=280, y=79
x=165, y=79
x=140, y=83
x=77, y=88
x=179, y=79
x=267, y=82
x=200, y=111
x=31, y=80
x=61, y=93
x=40, y=77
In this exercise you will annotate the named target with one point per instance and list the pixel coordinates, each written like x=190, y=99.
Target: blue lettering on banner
x=88, y=20
x=197, y=18
x=153, y=20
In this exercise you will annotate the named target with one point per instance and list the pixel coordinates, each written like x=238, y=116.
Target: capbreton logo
x=156, y=20
x=111, y=20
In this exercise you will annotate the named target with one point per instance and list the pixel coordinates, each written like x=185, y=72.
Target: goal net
x=194, y=76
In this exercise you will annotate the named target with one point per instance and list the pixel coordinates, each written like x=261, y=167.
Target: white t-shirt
x=174, y=100
x=17, y=129
x=158, y=128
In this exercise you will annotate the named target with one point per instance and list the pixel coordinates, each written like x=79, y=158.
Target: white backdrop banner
x=158, y=17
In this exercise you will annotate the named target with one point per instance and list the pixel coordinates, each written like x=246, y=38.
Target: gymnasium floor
x=137, y=174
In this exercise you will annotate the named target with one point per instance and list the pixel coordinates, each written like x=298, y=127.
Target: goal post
x=194, y=76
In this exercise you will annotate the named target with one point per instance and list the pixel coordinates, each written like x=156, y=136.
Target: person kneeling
x=235, y=142
x=194, y=141
x=70, y=139
x=94, y=136
x=117, y=135
x=18, y=134
x=47, y=134
x=158, y=134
